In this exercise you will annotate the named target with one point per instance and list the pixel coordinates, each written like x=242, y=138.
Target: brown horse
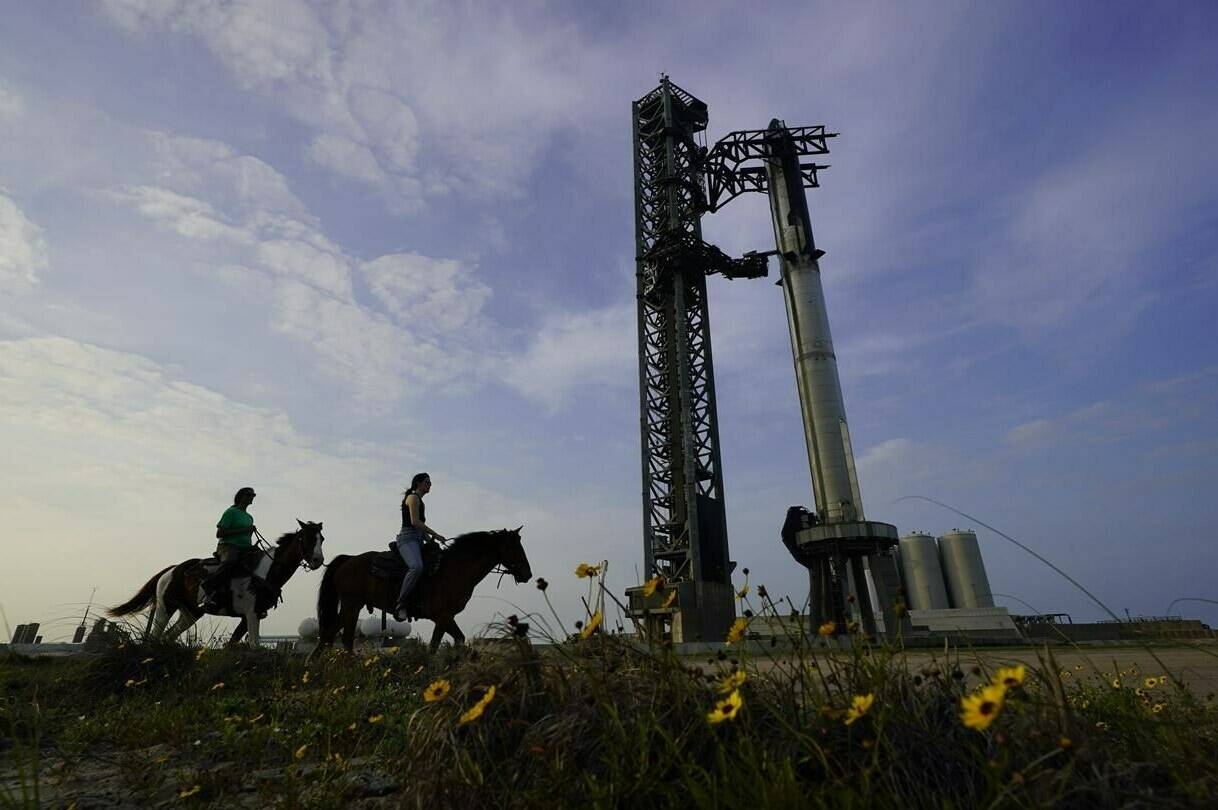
x=349, y=585
x=177, y=587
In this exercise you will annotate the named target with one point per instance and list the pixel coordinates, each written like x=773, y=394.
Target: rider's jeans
x=410, y=547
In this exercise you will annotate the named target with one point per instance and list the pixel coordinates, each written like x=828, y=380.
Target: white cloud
x=425, y=294
x=574, y=350
x=382, y=87
x=11, y=104
x=23, y=250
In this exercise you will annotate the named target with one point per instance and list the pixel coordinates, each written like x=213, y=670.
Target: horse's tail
x=327, y=596
x=142, y=597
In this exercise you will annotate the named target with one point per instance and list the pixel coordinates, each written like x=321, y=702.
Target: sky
x=317, y=247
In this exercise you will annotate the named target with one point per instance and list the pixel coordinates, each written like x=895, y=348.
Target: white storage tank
x=921, y=573
x=967, y=584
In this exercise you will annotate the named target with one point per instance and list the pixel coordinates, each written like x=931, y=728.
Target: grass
x=593, y=722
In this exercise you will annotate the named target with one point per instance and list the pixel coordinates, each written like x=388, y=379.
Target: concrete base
x=988, y=622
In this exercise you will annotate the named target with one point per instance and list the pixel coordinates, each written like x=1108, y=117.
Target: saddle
x=389, y=565
x=238, y=581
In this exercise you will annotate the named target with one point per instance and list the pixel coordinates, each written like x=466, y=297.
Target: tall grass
x=601, y=722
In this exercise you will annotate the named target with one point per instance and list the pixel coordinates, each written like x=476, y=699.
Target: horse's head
x=311, y=539
x=512, y=556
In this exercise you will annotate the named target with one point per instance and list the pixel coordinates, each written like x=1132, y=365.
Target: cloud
x=574, y=350
x=383, y=88
x=436, y=295
x=23, y=250
x=11, y=104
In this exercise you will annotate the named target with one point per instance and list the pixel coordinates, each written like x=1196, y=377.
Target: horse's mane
x=471, y=543
x=286, y=536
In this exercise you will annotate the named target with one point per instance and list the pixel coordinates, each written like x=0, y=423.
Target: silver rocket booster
x=830, y=457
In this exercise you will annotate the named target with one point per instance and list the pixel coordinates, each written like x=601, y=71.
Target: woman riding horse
x=410, y=538
x=350, y=584
x=177, y=587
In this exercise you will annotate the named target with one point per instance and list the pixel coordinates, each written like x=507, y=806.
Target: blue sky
x=318, y=247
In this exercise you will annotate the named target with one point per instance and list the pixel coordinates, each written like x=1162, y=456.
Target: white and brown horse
x=177, y=587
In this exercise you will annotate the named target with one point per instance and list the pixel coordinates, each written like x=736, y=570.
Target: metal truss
x=685, y=536
x=727, y=178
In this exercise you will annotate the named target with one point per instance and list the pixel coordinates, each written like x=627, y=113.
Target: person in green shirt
x=235, y=533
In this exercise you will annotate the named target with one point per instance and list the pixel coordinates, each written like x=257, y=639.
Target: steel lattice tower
x=684, y=524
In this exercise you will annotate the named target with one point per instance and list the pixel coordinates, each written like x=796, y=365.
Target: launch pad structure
x=678, y=180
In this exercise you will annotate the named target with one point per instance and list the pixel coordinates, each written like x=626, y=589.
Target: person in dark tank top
x=410, y=538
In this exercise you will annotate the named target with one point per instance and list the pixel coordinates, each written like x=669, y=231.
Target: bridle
x=298, y=537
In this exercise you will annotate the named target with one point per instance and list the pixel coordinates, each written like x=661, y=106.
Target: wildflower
x=216, y=685
x=1010, y=676
x=199, y=654
x=1101, y=726
x=146, y=661
x=1065, y=743
x=300, y=752
x=370, y=660
x=650, y=586
x=542, y=584
x=305, y=677
x=1116, y=683
x=727, y=708
x=1158, y=707
x=583, y=570
x=859, y=707
x=478, y=708
x=130, y=683
x=351, y=727
x=1162, y=679
x=593, y=623
x=762, y=593
x=1065, y=673
x=827, y=629
x=376, y=718
x=732, y=682
x=668, y=600
x=186, y=793
x=737, y=631
x=336, y=691
x=978, y=710
x=438, y=690
x=743, y=592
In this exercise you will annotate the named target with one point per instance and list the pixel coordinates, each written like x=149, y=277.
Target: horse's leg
x=348, y=615
x=454, y=631
x=238, y=632
x=251, y=623
x=436, y=636
x=183, y=623
x=161, y=611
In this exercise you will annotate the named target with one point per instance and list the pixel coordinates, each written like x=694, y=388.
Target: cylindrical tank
x=921, y=573
x=967, y=584
x=370, y=627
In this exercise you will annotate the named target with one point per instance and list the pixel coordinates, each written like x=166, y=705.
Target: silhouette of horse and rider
x=418, y=578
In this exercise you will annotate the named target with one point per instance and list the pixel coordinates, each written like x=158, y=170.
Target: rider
x=235, y=532
x=410, y=538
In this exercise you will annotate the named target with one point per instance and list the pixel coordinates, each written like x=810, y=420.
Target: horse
x=349, y=584
x=176, y=587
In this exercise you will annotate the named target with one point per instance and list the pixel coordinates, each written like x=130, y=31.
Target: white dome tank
x=370, y=627
x=967, y=584
x=308, y=629
x=921, y=573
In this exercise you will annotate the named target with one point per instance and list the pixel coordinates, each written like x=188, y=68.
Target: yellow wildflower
x=1010, y=676
x=583, y=570
x=1065, y=743
x=186, y=793
x=1158, y=707
x=732, y=682
x=1116, y=683
x=979, y=709
x=130, y=683
x=478, y=708
x=300, y=752
x=859, y=707
x=1162, y=679
x=743, y=592
x=737, y=631
x=727, y=708
x=376, y=718
x=651, y=585
x=668, y=600
x=592, y=624
x=351, y=727
x=438, y=690
x=827, y=629
x=305, y=677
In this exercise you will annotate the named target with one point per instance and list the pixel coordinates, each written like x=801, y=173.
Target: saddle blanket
x=248, y=589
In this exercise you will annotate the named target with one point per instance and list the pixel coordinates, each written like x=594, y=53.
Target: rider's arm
x=412, y=503
x=221, y=533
